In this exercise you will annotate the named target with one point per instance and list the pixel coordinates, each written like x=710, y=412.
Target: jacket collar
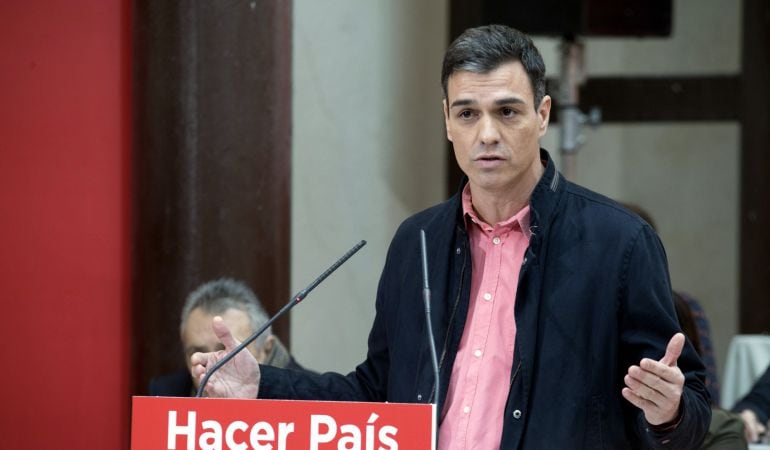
x=543, y=201
x=546, y=195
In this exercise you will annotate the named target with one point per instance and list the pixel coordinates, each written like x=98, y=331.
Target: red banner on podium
x=216, y=424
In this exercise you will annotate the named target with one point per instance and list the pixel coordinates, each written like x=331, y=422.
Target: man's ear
x=544, y=113
x=446, y=121
x=269, y=344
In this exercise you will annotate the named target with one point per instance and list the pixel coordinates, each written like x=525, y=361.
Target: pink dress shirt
x=478, y=387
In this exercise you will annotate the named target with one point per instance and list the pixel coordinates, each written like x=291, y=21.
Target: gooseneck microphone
x=298, y=297
x=431, y=340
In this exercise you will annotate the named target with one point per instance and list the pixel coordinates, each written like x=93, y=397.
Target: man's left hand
x=656, y=387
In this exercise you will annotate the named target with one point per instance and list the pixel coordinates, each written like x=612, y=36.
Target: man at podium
x=551, y=307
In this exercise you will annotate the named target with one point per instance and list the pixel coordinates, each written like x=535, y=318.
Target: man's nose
x=488, y=132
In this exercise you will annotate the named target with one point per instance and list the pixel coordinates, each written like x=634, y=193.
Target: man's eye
x=465, y=114
x=508, y=112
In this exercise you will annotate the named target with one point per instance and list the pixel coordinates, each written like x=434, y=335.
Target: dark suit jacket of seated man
x=597, y=359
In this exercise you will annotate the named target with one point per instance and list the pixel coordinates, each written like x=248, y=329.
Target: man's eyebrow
x=499, y=102
x=465, y=102
x=509, y=101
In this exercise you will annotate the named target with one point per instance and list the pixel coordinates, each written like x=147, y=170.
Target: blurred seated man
x=754, y=408
x=726, y=428
x=241, y=311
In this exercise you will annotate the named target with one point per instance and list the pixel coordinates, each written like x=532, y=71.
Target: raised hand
x=239, y=378
x=656, y=387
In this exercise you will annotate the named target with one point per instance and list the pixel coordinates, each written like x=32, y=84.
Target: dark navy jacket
x=593, y=298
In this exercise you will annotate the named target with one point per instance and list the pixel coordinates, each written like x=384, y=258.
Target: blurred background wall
x=368, y=150
x=686, y=174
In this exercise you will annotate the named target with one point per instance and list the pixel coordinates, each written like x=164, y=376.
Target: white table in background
x=747, y=359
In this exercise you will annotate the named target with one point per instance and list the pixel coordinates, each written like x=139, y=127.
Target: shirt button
x=467, y=409
x=477, y=353
x=517, y=414
x=419, y=397
x=458, y=251
x=487, y=296
x=496, y=240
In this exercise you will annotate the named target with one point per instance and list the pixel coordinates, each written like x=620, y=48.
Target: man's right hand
x=753, y=429
x=239, y=378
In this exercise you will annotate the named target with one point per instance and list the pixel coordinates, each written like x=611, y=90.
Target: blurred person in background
x=726, y=430
x=241, y=311
x=754, y=409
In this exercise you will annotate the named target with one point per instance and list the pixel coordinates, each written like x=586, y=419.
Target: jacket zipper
x=518, y=366
x=510, y=385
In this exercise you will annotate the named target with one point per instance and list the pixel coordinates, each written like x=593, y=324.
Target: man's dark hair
x=483, y=49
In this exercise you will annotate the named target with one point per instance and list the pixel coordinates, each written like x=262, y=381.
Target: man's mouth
x=489, y=158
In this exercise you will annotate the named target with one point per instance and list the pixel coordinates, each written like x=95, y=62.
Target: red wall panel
x=64, y=223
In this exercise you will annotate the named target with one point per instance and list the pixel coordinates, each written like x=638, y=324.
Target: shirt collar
x=521, y=218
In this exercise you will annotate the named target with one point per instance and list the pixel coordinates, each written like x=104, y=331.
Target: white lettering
x=351, y=439
x=211, y=440
x=387, y=436
x=238, y=425
x=323, y=429
x=316, y=437
x=370, y=431
x=261, y=436
x=261, y=431
x=284, y=429
x=175, y=430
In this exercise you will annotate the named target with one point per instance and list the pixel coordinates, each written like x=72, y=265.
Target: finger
x=665, y=400
x=198, y=370
x=656, y=373
x=203, y=359
x=197, y=359
x=752, y=434
x=641, y=390
x=751, y=425
x=223, y=333
x=673, y=350
x=211, y=388
x=636, y=400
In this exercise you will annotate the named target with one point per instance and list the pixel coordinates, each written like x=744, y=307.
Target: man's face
x=494, y=127
x=198, y=336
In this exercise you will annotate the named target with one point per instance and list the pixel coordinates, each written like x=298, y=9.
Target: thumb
x=223, y=333
x=673, y=350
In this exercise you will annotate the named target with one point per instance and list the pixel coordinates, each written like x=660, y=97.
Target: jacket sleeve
x=758, y=399
x=648, y=321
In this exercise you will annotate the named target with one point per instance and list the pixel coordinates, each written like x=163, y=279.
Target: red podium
x=169, y=423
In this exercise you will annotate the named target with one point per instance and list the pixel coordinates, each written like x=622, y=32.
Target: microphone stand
x=431, y=340
x=295, y=300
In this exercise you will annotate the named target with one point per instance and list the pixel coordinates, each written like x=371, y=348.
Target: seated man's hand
x=239, y=378
x=753, y=429
x=656, y=387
